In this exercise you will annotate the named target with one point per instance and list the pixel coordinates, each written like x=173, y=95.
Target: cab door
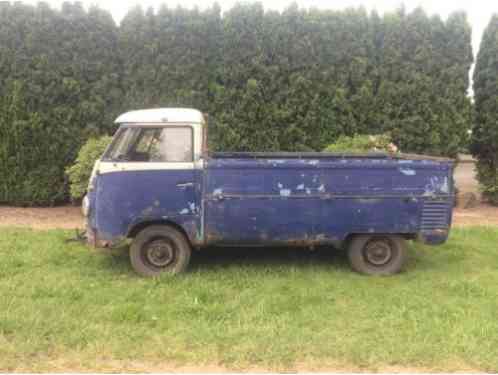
x=148, y=174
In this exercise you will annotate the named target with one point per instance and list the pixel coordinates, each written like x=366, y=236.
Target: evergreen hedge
x=288, y=81
x=484, y=142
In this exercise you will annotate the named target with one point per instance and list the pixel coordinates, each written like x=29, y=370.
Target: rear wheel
x=159, y=249
x=377, y=254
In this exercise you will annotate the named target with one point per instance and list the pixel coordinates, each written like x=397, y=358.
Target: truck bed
x=324, y=197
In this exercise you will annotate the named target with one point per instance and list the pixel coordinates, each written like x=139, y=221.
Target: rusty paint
x=298, y=199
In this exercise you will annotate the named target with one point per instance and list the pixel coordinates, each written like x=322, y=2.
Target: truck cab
x=157, y=186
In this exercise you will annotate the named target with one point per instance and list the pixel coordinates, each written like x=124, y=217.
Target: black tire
x=377, y=254
x=159, y=249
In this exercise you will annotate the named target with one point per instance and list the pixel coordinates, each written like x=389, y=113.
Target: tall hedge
x=298, y=80
x=59, y=84
x=484, y=143
x=294, y=80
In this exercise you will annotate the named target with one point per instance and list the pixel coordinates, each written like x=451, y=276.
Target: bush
x=484, y=140
x=59, y=86
x=79, y=173
x=487, y=175
x=362, y=143
x=33, y=153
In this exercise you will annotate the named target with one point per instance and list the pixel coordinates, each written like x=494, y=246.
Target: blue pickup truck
x=158, y=185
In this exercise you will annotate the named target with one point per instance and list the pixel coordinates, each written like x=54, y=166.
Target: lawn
x=65, y=306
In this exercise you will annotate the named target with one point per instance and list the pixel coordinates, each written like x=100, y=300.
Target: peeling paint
x=407, y=172
x=321, y=188
x=285, y=192
x=300, y=187
x=218, y=191
x=185, y=211
x=436, y=185
x=444, y=186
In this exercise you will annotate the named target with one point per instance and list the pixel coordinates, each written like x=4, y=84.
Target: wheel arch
x=138, y=227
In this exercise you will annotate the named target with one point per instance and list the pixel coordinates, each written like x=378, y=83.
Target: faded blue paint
x=304, y=201
x=125, y=199
x=319, y=201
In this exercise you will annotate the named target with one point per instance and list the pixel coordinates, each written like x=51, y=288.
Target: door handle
x=184, y=184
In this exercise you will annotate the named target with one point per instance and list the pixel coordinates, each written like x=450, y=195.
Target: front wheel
x=377, y=254
x=159, y=249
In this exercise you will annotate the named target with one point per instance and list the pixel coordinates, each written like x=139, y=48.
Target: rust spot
x=213, y=237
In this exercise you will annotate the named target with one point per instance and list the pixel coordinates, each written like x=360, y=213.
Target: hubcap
x=378, y=252
x=159, y=253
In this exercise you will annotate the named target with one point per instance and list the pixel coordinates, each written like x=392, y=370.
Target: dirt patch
x=483, y=214
x=465, y=177
x=65, y=217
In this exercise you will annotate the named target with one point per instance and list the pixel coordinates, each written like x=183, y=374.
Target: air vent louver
x=434, y=215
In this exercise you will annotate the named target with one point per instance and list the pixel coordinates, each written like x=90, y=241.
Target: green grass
x=65, y=304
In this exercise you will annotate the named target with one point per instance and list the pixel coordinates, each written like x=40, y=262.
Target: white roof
x=161, y=115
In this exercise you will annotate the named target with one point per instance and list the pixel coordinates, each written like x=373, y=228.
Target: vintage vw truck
x=158, y=186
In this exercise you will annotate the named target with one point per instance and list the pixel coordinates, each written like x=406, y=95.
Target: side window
x=168, y=144
x=172, y=144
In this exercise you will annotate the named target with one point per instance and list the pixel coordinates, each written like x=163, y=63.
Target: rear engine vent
x=435, y=215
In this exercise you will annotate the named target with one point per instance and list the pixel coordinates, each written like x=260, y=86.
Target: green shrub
x=362, y=143
x=484, y=140
x=59, y=86
x=79, y=173
x=33, y=152
x=487, y=175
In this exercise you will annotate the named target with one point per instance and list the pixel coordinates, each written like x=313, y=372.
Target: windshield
x=152, y=144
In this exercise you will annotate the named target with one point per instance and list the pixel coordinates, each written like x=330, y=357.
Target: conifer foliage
x=59, y=84
x=484, y=142
x=289, y=81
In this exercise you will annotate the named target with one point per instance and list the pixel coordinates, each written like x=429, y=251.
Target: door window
x=165, y=144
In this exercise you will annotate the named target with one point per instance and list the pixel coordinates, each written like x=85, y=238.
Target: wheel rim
x=378, y=252
x=159, y=253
